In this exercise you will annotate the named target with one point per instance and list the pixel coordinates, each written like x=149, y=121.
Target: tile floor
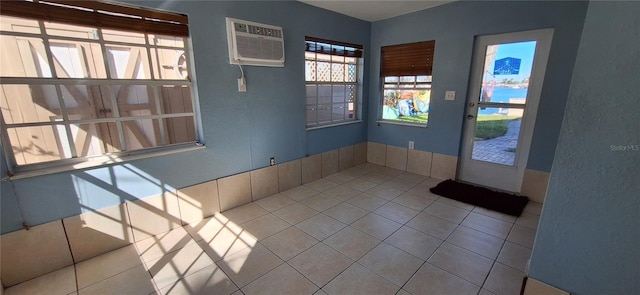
x=366, y=230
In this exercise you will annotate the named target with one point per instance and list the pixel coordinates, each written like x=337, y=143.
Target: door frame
x=503, y=177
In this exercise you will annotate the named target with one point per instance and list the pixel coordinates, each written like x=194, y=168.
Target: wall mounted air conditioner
x=255, y=44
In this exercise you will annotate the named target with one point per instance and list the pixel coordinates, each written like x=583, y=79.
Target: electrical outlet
x=411, y=144
x=272, y=161
x=242, y=85
x=450, y=95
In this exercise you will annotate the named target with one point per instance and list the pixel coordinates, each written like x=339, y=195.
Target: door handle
x=469, y=117
x=472, y=104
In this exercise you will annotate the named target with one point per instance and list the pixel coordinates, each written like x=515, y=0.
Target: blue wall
x=453, y=27
x=588, y=240
x=241, y=130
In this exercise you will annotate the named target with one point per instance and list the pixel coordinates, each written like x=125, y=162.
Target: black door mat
x=479, y=196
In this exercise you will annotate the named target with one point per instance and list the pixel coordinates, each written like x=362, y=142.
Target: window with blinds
x=406, y=73
x=332, y=78
x=83, y=80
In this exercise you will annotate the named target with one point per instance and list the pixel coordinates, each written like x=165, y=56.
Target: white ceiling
x=374, y=10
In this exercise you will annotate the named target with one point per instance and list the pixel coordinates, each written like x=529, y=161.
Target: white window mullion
x=160, y=111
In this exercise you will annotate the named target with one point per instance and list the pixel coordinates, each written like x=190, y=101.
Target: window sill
x=333, y=125
x=104, y=161
x=401, y=124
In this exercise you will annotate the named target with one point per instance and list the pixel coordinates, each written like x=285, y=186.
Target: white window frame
x=353, y=103
x=78, y=162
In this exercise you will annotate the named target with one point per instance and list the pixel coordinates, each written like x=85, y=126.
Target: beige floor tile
x=393, y=264
x=476, y=241
x=432, y=280
x=534, y=208
x=320, y=263
x=385, y=192
x=351, y=242
x=485, y=292
x=522, y=236
x=300, y=193
x=454, y=203
x=495, y=214
x=244, y=213
x=396, y=212
x=461, y=262
x=367, y=202
x=504, y=280
x=295, y=213
x=411, y=177
x=346, y=213
x=422, y=189
x=414, y=242
x=209, y=280
x=416, y=202
x=486, y=224
x=403, y=292
x=360, y=184
x=376, y=177
x=58, y=282
x=275, y=202
x=107, y=265
x=340, y=178
x=320, y=185
x=265, y=226
x=529, y=220
x=358, y=280
x=320, y=226
x=432, y=225
x=376, y=225
x=514, y=255
x=247, y=265
x=282, y=280
x=154, y=247
x=398, y=184
x=450, y=213
x=320, y=202
x=221, y=237
x=178, y=264
x=342, y=193
x=134, y=281
x=289, y=243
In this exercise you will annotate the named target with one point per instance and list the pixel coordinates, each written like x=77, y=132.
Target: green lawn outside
x=492, y=126
x=419, y=119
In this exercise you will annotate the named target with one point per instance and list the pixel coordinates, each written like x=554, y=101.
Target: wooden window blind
x=324, y=46
x=408, y=59
x=101, y=15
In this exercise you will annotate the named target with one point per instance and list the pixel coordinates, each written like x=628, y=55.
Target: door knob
x=472, y=104
x=469, y=117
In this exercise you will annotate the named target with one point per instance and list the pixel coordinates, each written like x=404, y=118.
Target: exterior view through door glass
x=505, y=86
x=501, y=103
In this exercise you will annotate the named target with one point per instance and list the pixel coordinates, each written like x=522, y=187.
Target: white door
x=506, y=81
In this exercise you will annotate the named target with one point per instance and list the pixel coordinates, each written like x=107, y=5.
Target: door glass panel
x=507, y=69
x=496, y=135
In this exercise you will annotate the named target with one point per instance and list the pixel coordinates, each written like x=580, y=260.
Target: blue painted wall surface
x=588, y=239
x=453, y=27
x=241, y=130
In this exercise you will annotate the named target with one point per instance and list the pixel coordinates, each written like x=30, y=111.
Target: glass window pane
x=176, y=99
x=135, y=100
x=169, y=64
x=497, y=127
x=423, y=79
x=180, y=130
x=339, y=93
x=351, y=74
x=141, y=134
x=74, y=31
x=320, y=56
x=407, y=78
x=310, y=55
x=27, y=57
x=128, y=62
x=324, y=114
x=122, y=36
x=170, y=41
x=29, y=104
x=390, y=79
x=324, y=71
x=337, y=72
x=507, y=72
x=311, y=115
x=310, y=70
x=94, y=139
x=15, y=24
x=338, y=113
x=37, y=144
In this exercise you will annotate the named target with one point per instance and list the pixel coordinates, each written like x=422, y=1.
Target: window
x=406, y=75
x=82, y=81
x=332, y=77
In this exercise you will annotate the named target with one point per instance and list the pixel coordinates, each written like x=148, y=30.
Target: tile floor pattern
x=366, y=230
